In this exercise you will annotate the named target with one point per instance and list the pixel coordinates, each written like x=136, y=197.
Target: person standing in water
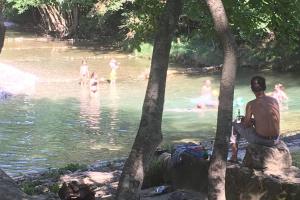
x=94, y=83
x=206, y=98
x=280, y=95
x=84, y=73
x=114, y=65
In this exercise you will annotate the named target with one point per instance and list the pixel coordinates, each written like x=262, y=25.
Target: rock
x=75, y=191
x=265, y=158
x=9, y=190
x=247, y=184
x=101, y=183
x=159, y=171
x=147, y=194
x=185, y=194
x=242, y=182
x=191, y=174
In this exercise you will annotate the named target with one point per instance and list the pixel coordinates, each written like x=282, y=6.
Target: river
x=59, y=122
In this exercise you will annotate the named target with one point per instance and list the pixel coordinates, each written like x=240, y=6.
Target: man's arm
x=248, y=116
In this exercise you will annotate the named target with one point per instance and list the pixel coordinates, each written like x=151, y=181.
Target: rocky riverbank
x=102, y=177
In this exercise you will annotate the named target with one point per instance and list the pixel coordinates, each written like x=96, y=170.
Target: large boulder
x=261, y=181
x=9, y=190
x=159, y=172
x=186, y=167
x=243, y=183
x=190, y=173
x=265, y=158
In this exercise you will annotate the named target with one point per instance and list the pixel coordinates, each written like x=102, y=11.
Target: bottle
x=239, y=116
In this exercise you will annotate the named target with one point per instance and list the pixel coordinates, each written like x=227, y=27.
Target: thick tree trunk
x=217, y=169
x=149, y=134
x=53, y=20
x=2, y=27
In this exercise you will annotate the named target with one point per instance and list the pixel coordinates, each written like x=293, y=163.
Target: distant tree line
x=267, y=30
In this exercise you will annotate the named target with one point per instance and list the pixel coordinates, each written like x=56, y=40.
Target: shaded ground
x=103, y=176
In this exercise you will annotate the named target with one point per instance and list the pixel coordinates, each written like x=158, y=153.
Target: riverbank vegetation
x=267, y=32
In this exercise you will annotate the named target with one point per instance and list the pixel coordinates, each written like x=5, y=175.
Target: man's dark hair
x=258, y=84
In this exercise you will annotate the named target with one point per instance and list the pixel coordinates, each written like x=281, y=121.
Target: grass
x=32, y=187
x=74, y=167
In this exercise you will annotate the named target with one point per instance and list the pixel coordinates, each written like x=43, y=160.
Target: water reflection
x=15, y=81
x=114, y=98
x=90, y=109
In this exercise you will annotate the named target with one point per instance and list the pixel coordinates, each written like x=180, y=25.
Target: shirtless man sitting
x=261, y=122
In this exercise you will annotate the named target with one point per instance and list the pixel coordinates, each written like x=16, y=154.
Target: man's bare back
x=265, y=111
x=264, y=129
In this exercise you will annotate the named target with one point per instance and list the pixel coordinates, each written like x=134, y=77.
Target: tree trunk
x=54, y=20
x=2, y=27
x=217, y=169
x=75, y=22
x=45, y=18
x=149, y=134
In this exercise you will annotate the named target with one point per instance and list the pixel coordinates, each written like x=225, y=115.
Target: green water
x=61, y=123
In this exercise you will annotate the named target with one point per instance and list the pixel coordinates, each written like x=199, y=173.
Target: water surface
x=61, y=123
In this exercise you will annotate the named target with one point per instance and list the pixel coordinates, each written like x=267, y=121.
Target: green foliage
x=144, y=50
x=30, y=187
x=84, y=5
x=74, y=167
x=56, y=173
x=271, y=27
x=139, y=18
x=257, y=19
x=54, y=188
x=253, y=22
x=23, y=5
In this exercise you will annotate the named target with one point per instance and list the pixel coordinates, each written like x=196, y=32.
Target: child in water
x=94, y=83
x=84, y=73
x=114, y=65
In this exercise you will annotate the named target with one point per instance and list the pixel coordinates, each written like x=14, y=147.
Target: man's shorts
x=238, y=129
